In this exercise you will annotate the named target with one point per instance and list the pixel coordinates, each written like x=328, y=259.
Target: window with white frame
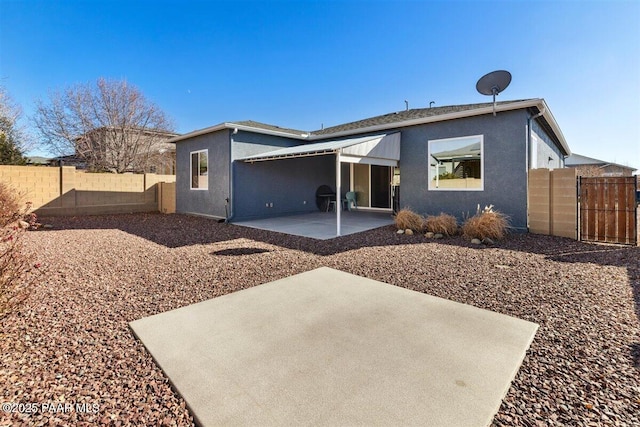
x=200, y=170
x=456, y=164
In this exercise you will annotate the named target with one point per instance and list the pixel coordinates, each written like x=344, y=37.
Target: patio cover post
x=338, y=193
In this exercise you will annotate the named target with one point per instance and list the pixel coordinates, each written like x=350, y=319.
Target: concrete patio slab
x=321, y=225
x=329, y=348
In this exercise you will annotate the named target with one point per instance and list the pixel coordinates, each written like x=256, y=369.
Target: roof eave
x=231, y=125
x=546, y=113
x=539, y=103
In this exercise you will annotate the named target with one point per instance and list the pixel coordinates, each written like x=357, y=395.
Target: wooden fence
x=608, y=209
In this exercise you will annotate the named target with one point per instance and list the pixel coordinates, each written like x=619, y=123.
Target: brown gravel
x=70, y=341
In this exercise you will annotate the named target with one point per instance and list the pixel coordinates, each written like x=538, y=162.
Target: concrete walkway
x=321, y=225
x=329, y=348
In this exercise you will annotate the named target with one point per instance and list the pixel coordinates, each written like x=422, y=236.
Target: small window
x=457, y=164
x=199, y=170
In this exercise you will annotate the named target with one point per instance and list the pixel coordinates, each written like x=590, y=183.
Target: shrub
x=408, y=219
x=444, y=224
x=486, y=223
x=14, y=263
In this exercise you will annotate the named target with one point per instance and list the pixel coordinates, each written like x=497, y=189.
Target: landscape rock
x=23, y=224
x=429, y=235
x=408, y=232
x=476, y=241
x=400, y=231
x=117, y=268
x=438, y=236
x=487, y=241
x=47, y=226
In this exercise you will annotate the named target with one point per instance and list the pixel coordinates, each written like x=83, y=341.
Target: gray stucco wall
x=287, y=183
x=211, y=201
x=246, y=144
x=504, y=154
x=545, y=150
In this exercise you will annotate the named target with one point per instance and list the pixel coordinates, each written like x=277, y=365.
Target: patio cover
x=383, y=150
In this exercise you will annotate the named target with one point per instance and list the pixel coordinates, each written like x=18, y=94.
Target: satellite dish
x=494, y=83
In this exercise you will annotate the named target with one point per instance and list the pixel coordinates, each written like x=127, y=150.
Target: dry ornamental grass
x=406, y=219
x=487, y=224
x=444, y=224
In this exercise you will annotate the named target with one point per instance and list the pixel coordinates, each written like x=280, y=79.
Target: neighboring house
x=38, y=161
x=444, y=159
x=137, y=150
x=71, y=160
x=588, y=166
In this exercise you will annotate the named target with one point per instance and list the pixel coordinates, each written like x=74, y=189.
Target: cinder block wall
x=167, y=197
x=553, y=202
x=66, y=191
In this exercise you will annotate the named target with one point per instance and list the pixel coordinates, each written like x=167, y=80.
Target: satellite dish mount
x=493, y=83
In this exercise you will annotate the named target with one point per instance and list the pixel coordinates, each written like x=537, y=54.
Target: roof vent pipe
x=406, y=103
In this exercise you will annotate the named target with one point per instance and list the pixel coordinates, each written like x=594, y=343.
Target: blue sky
x=302, y=64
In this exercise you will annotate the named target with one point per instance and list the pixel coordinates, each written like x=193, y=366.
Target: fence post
x=68, y=186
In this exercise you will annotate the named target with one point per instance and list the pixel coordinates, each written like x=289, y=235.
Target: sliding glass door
x=372, y=185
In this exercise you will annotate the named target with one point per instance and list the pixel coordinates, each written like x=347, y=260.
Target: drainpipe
x=229, y=200
x=528, y=155
x=338, y=192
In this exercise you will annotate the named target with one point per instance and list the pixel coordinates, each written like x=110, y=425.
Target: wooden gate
x=608, y=209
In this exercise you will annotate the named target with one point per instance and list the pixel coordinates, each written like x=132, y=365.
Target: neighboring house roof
x=157, y=132
x=468, y=152
x=397, y=120
x=575, y=160
x=38, y=160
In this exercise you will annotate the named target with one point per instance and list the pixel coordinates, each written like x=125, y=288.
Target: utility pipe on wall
x=338, y=193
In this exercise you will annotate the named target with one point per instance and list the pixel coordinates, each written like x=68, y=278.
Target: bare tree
x=110, y=125
x=14, y=141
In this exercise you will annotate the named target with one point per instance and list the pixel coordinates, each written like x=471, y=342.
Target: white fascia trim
x=542, y=106
x=538, y=102
x=199, y=132
x=229, y=125
x=303, y=136
x=439, y=118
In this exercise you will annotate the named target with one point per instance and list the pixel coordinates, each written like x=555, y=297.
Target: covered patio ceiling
x=381, y=150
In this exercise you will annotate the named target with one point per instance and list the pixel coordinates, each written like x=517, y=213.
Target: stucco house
x=588, y=166
x=442, y=159
x=124, y=150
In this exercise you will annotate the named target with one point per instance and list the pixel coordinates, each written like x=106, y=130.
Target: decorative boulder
x=400, y=231
x=438, y=236
x=408, y=232
x=487, y=241
x=476, y=241
x=429, y=235
x=23, y=224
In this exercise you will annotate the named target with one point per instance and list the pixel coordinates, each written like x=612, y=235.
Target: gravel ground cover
x=70, y=342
